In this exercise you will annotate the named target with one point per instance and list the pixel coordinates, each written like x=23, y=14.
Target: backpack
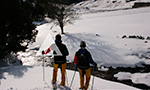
x=83, y=59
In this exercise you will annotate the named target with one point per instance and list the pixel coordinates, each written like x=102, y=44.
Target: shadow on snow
x=16, y=71
x=103, y=52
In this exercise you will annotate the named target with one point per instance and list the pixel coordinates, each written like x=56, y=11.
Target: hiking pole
x=73, y=76
x=95, y=68
x=66, y=78
x=92, y=83
x=43, y=69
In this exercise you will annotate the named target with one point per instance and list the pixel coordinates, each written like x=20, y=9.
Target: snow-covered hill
x=103, y=33
x=92, y=6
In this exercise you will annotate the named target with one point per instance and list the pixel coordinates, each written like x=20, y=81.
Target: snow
x=102, y=33
x=31, y=78
x=137, y=78
x=102, y=68
x=108, y=48
x=106, y=45
x=92, y=6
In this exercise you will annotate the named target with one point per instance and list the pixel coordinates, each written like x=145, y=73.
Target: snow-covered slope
x=31, y=78
x=103, y=33
x=91, y=6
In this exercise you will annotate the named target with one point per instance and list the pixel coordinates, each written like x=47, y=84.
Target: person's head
x=58, y=38
x=82, y=44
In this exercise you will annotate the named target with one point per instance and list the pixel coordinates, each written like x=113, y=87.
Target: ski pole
x=92, y=83
x=73, y=76
x=66, y=78
x=43, y=69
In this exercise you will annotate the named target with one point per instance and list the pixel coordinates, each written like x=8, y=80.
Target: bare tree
x=61, y=15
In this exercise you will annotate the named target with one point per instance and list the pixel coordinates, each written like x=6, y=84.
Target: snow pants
x=63, y=70
x=88, y=76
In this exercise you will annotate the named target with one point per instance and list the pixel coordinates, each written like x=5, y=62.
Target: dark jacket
x=59, y=59
x=88, y=61
x=64, y=51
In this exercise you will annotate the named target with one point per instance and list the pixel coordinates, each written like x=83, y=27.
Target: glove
x=95, y=68
x=43, y=52
x=54, y=52
x=76, y=67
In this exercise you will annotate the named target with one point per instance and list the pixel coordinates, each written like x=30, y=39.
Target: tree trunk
x=62, y=29
x=61, y=26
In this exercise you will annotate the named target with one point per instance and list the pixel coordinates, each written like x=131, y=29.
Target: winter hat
x=82, y=44
x=58, y=37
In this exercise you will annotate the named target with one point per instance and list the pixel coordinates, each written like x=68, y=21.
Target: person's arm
x=47, y=51
x=75, y=59
x=91, y=60
x=66, y=51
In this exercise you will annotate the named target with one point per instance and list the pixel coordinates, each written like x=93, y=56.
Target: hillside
x=93, y=6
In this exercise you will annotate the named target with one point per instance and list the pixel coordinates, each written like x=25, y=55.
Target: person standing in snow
x=60, y=52
x=83, y=59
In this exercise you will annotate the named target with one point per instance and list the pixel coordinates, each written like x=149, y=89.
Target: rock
x=124, y=36
x=148, y=38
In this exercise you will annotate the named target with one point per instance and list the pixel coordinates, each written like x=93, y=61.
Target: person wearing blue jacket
x=83, y=59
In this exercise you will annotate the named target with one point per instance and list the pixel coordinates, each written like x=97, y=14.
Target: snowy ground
x=31, y=78
x=137, y=78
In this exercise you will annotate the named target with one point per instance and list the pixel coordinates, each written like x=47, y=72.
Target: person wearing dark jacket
x=60, y=52
x=83, y=59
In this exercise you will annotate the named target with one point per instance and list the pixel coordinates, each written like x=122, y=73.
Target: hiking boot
x=53, y=82
x=62, y=84
x=85, y=88
x=82, y=88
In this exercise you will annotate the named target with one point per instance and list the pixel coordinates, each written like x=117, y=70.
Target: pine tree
x=16, y=25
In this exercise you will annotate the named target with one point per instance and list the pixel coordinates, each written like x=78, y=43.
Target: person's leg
x=88, y=76
x=81, y=79
x=63, y=70
x=55, y=73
